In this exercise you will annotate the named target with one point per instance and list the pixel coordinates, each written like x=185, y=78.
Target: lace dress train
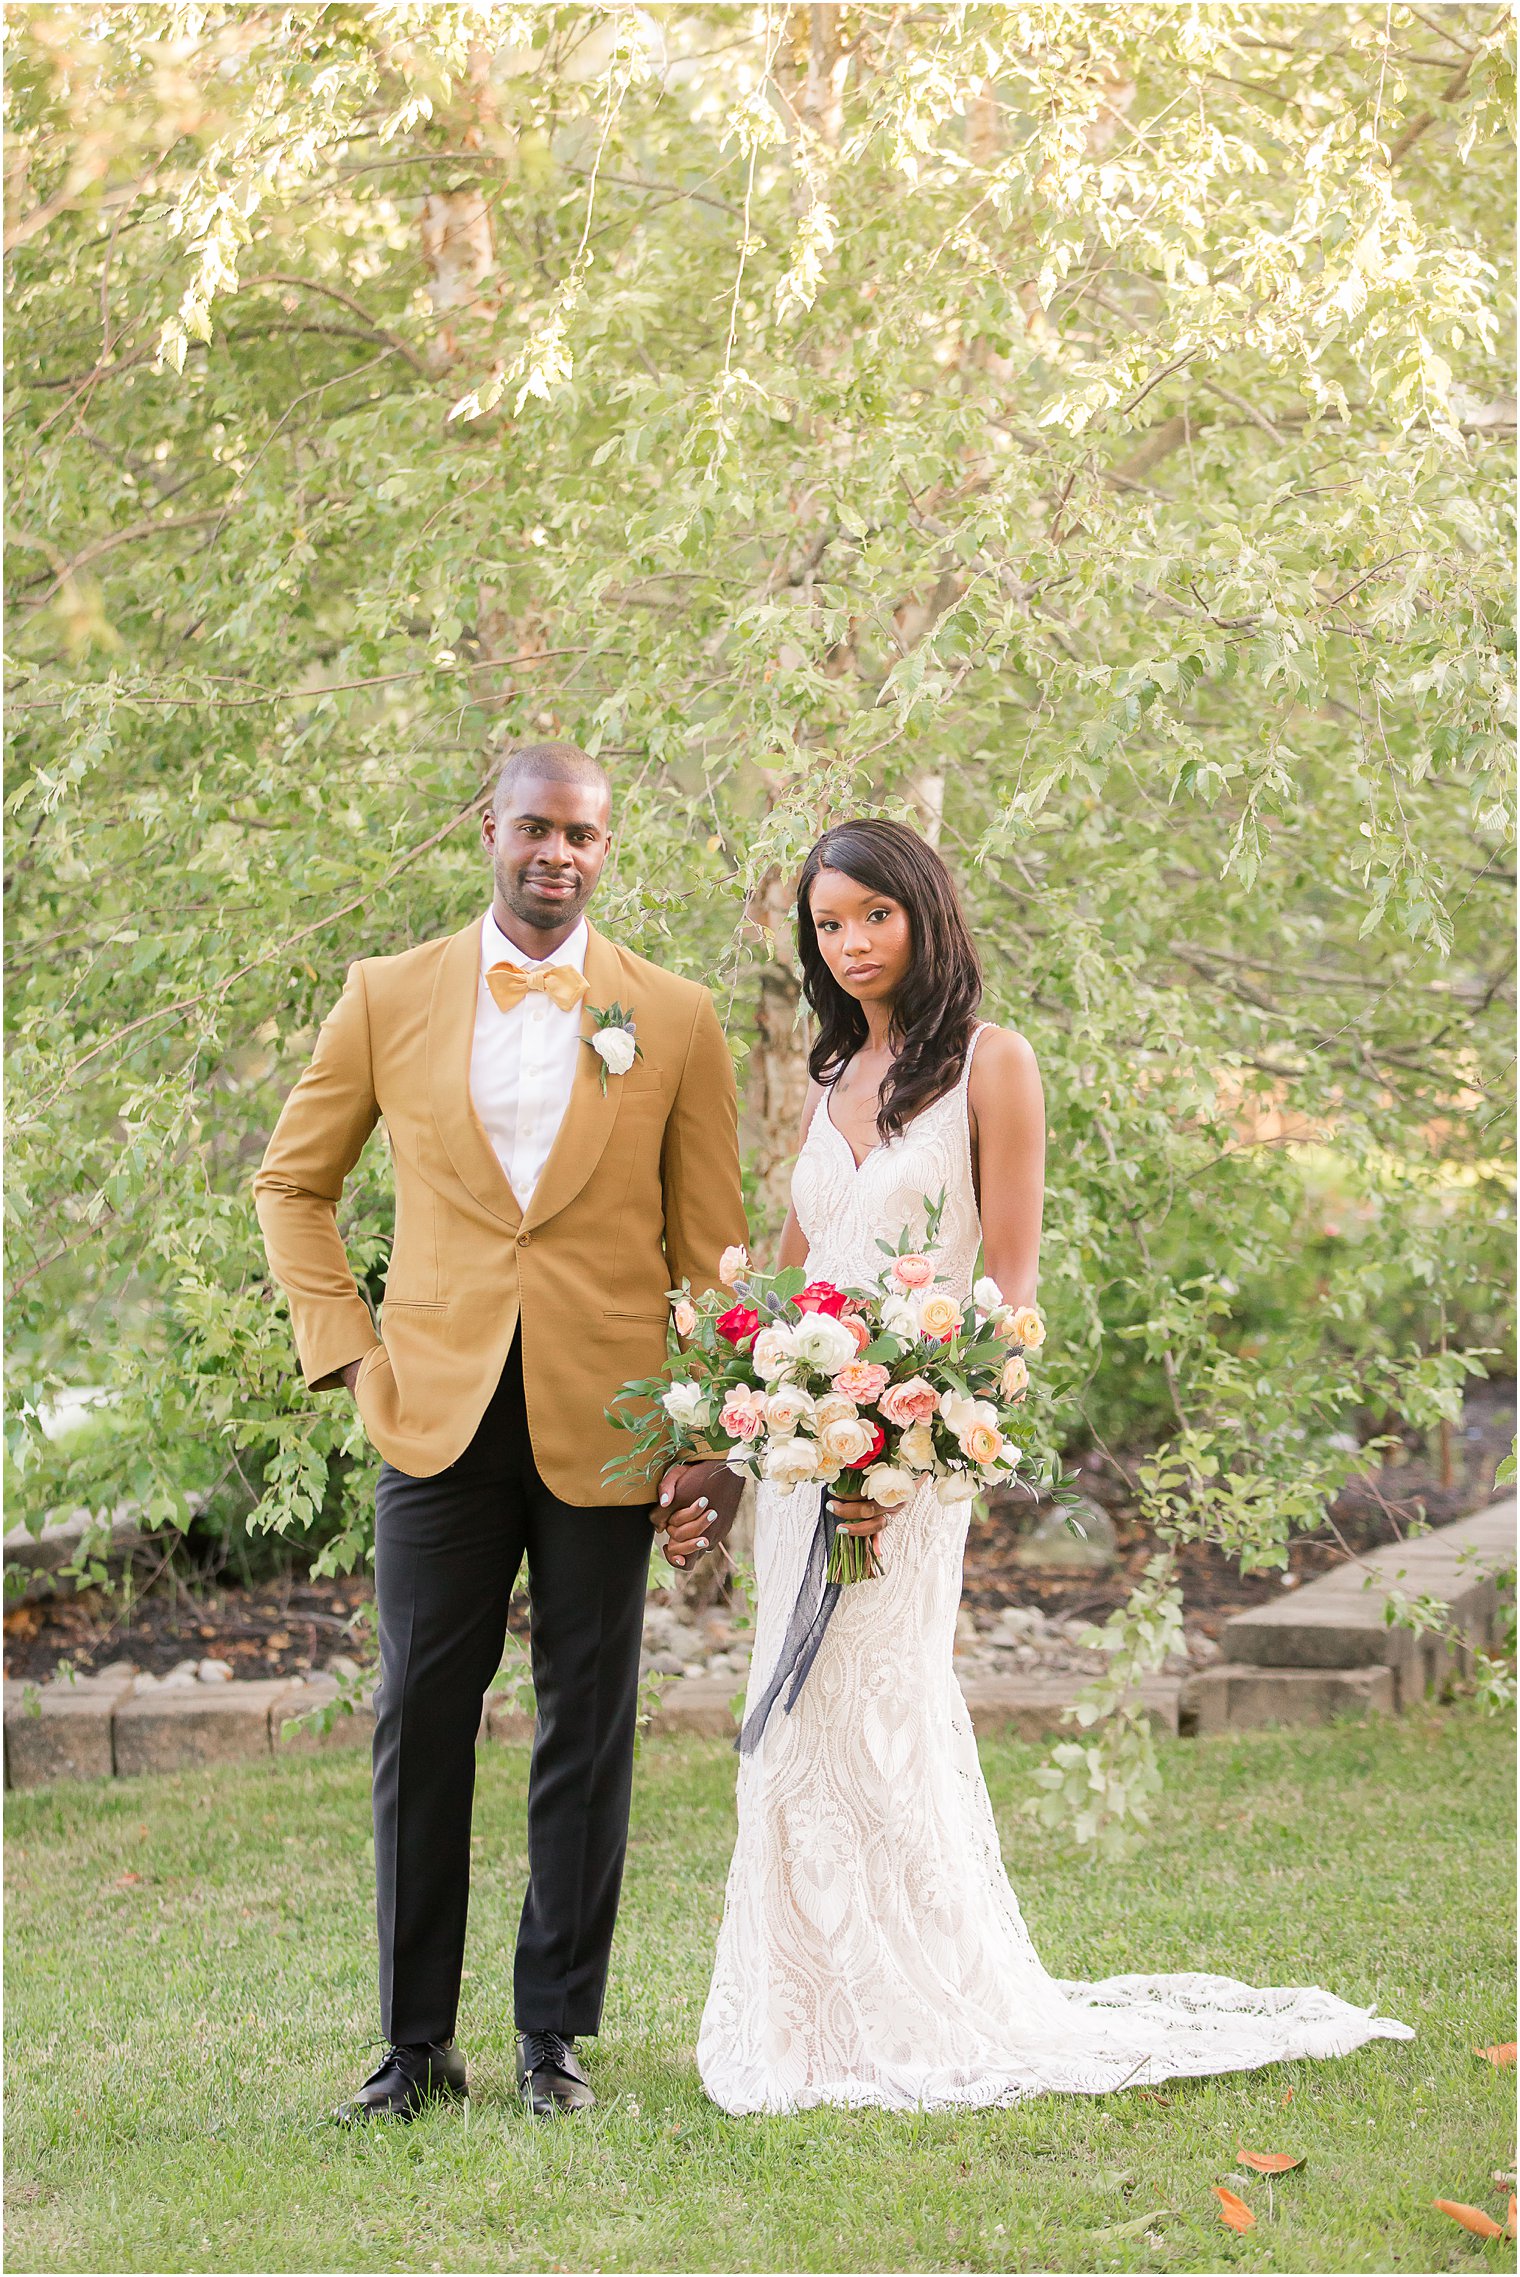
x=872, y=1949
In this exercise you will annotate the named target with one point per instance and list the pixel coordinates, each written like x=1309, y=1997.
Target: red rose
x=821, y=1296
x=881, y=1440
x=738, y=1324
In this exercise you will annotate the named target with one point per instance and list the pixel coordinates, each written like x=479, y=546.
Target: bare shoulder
x=1003, y=1060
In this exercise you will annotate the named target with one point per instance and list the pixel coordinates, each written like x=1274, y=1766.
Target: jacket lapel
x=450, y=1036
x=583, y=1135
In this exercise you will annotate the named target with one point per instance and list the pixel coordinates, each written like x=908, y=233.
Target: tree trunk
x=779, y=1061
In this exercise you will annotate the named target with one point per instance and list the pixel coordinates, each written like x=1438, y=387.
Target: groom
x=562, y=1123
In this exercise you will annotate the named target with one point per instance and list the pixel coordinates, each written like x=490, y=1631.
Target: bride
x=872, y=1950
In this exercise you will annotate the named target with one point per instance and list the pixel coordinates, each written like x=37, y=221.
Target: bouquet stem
x=853, y=1556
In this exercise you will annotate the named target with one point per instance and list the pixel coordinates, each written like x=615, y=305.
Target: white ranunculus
x=772, y=1351
x=916, y=1447
x=790, y=1462
x=617, y=1047
x=955, y=1486
x=899, y=1317
x=686, y=1404
x=846, y=1441
x=819, y=1341
x=786, y=1410
x=888, y=1486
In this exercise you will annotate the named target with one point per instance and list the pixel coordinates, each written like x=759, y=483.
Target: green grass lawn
x=190, y=1987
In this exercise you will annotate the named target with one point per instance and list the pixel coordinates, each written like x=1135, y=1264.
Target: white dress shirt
x=522, y=1062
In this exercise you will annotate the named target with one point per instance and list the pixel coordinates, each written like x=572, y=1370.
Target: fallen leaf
x=1118, y=2230
x=1503, y=2054
x=125, y=1881
x=1234, y=2212
x=1287, y=2099
x=1268, y=2162
x=1471, y=2217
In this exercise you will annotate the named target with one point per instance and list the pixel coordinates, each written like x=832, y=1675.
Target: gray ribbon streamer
x=811, y=1615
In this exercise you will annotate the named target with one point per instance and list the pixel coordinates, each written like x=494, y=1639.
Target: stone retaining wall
x=1327, y=1653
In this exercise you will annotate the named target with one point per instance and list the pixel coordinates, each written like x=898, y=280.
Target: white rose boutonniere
x=613, y=1041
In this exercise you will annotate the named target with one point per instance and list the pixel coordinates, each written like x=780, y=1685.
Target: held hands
x=698, y=1504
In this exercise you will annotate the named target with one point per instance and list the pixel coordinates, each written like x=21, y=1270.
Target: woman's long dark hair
x=935, y=1009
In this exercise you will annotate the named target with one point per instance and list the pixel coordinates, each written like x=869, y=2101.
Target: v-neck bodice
x=845, y=1208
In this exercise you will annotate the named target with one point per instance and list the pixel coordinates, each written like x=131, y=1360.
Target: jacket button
x=523, y=1239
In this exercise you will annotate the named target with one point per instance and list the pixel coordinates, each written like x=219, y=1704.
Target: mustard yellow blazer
x=640, y=1192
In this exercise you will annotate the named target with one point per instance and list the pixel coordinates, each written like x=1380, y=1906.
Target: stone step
x=1033, y=1707
x=1230, y=1697
x=1338, y=1622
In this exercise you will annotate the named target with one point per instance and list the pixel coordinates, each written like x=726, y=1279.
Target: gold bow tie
x=510, y=983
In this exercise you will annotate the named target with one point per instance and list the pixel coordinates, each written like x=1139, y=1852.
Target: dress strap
x=978, y=1031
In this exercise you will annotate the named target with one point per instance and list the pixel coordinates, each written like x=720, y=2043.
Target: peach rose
x=787, y=1410
x=846, y=1441
x=939, y=1317
x=684, y=1313
x=857, y=1328
x=912, y=1271
x=733, y=1265
x=743, y=1413
x=912, y=1402
x=983, y=1443
x=1014, y=1380
x=862, y=1381
x=830, y=1408
x=1027, y=1328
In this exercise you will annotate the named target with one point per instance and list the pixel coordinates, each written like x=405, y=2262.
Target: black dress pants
x=447, y=1552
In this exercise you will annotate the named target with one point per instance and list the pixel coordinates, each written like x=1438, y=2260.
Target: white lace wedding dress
x=872, y=1950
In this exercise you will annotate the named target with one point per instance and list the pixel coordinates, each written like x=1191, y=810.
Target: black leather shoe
x=550, y=2075
x=410, y=2077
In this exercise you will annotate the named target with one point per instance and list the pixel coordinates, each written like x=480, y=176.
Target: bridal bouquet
x=868, y=1391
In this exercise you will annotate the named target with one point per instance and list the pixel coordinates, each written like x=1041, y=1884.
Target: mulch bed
x=296, y=1623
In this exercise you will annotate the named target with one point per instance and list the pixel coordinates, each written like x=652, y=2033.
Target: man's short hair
x=549, y=763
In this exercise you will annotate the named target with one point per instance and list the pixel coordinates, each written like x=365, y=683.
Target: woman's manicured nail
x=703, y=1543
